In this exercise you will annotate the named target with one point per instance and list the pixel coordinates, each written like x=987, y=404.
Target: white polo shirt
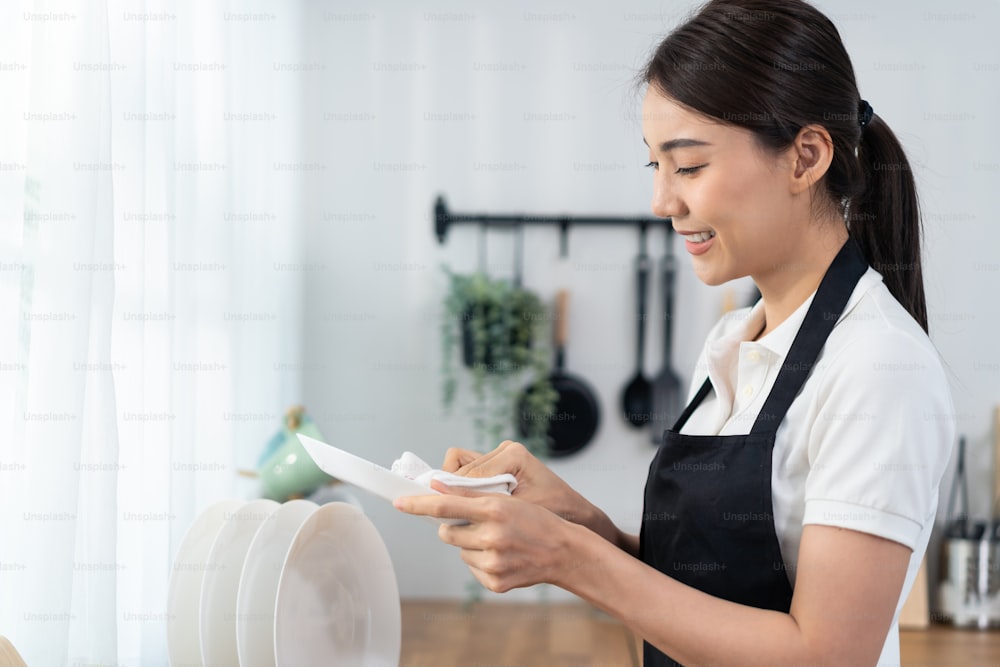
x=865, y=443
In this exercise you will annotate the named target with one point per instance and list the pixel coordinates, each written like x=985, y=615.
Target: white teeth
x=699, y=237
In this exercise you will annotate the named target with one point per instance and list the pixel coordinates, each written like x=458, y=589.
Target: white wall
x=412, y=101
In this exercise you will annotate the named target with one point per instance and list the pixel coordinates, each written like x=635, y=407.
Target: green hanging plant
x=499, y=331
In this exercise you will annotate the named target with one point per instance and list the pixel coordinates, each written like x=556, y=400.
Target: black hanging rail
x=443, y=219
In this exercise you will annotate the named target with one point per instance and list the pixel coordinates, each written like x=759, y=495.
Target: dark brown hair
x=775, y=66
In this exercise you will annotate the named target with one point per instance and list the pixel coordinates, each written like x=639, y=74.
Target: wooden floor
x=441, y=634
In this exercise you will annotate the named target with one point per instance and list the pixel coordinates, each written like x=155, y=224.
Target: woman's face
x=729, y=198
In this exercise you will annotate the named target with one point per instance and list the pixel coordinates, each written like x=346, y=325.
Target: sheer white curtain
x=149, y=285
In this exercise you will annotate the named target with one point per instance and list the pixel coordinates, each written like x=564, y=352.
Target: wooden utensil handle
x=996, y=462
x=562, y=314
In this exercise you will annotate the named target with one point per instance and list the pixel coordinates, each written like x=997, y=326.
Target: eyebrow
x=668, y=146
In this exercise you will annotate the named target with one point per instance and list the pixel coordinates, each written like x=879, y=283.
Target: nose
x=667, y=202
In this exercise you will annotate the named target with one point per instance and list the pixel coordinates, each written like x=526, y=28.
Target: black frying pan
x=577, y=413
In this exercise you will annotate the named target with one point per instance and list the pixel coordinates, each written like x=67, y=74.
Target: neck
x=798, y=274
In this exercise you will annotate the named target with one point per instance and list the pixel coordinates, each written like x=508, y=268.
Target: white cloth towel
x=411, y=466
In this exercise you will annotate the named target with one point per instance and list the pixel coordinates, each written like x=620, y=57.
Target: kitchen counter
x=441, y=634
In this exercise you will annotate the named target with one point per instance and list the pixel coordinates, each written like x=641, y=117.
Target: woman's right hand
x=535, y=484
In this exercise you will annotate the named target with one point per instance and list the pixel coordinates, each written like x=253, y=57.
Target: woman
x=789, y=508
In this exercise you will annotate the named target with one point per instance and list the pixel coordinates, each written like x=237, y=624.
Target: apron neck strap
x=826, y=308
x=706, y=388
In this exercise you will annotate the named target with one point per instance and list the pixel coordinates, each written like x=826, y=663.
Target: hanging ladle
x=637, y=398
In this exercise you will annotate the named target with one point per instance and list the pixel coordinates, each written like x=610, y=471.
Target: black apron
x=708, y=518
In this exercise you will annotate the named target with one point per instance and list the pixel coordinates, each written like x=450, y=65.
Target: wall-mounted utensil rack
x=443, y=219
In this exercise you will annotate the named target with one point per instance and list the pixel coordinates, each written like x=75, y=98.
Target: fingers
x=450, y=506
x=428, y=506
x=487, y=571
x=509, y=457
x=462, y=461
x=488, y=581
x=466, y=537
x=456, y=457
x=441, y=487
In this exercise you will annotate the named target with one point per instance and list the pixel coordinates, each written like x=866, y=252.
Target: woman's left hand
x=508, y=543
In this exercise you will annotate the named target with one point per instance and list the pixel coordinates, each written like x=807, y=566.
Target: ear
x=812, y=152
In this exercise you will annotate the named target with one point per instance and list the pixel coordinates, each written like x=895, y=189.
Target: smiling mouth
x=699, y=237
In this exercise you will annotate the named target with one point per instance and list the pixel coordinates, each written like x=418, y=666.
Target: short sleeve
x=882, y=435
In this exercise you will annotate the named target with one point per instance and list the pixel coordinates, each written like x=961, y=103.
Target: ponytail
x=884, y=220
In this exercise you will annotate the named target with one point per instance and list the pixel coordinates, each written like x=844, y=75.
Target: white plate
x=337, y=601
x=337, y=492
x=259, y=582
x=222, y=581
x=363, y=473
x=184, y=596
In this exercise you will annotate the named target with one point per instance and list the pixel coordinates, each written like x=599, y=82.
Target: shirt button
x=754, y=356
x=748, y=390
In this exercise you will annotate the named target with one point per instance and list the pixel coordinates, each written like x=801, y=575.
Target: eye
x=687, y=171
x=653, y=165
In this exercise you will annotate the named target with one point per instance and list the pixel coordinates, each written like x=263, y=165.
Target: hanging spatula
x=667, y=386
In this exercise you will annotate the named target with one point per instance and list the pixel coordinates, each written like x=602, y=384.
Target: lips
x=697, y=243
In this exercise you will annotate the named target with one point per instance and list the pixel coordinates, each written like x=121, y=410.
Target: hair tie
x=865, y=113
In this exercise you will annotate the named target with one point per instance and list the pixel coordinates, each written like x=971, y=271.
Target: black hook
x=564, y=238
x=440, y=219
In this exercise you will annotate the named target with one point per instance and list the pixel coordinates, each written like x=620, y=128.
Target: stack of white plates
x=261, y=584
